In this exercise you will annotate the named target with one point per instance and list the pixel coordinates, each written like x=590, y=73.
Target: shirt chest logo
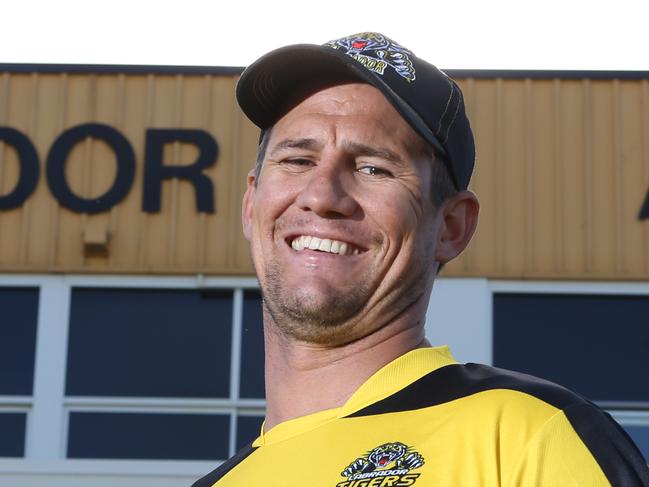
x=387, y=465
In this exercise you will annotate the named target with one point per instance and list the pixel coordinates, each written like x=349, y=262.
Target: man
x=358, y=198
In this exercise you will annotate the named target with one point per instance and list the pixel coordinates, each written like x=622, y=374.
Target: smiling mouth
x=308, y=242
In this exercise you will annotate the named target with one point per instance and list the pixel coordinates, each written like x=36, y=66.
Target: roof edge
x=118, y=69
x=236, y=70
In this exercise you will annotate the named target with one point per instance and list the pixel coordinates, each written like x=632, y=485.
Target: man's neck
x=304, y=378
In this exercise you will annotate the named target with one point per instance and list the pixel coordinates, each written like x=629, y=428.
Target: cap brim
x=266, y=85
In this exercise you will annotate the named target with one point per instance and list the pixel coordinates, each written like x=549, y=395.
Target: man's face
x=340, y=222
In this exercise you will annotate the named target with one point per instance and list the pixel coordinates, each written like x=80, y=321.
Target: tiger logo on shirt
x=387, y=465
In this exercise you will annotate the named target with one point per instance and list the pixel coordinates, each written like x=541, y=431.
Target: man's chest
x=392, y=451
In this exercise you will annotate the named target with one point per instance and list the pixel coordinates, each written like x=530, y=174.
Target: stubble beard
x=304, y=316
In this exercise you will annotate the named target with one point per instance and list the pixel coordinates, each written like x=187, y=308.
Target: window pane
x=12, y=434
x=19, y=314
x=148, y=436
x=252, y=348
x=160, y=343
x=595, y=345
x=640, y=436
x=248, y=428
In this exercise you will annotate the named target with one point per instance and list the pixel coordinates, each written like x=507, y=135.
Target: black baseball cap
x=426, y=97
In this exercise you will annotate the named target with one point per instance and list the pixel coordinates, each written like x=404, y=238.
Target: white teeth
x=324, y=245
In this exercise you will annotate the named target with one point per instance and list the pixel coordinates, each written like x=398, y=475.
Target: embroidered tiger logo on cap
x=377, y=52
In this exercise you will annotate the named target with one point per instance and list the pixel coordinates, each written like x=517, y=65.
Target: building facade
x=130, y=320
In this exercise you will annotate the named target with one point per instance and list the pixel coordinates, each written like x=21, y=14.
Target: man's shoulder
x=487, y=399
x=211, y=478
x=475, y=382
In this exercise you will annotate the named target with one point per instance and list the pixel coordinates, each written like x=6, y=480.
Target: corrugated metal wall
x=41, y=236
x=562, y=171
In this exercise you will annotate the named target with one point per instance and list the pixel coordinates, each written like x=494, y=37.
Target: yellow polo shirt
x=426, y=420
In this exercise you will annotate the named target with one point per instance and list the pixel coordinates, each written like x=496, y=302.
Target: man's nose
x=326, y=192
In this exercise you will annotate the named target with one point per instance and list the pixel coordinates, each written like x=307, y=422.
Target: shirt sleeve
x=581, y=446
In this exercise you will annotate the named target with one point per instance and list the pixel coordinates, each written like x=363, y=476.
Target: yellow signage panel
x=143, y=172
x=136, y=173
x=563, y=177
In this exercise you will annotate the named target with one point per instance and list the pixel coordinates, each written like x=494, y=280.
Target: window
x=147, y=435
x=149, y=343
x=597, y=345
x=248, y=428
x=171, y=368
x=17, y=340
x=252, y=350
x=140, y=361
x=640, y=435
x=19, y=311
x=12, y=439
x=158, y=368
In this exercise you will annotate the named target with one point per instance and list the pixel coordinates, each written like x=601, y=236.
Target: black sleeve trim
x=215, y=475
x=616, y=454
x=457, y=380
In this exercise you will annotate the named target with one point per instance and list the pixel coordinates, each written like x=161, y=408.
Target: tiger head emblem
x=377, y=52
x=383, y=455
x=394, y=455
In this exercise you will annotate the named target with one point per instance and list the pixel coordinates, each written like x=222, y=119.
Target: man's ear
x=459, y=220
x=247, y=205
